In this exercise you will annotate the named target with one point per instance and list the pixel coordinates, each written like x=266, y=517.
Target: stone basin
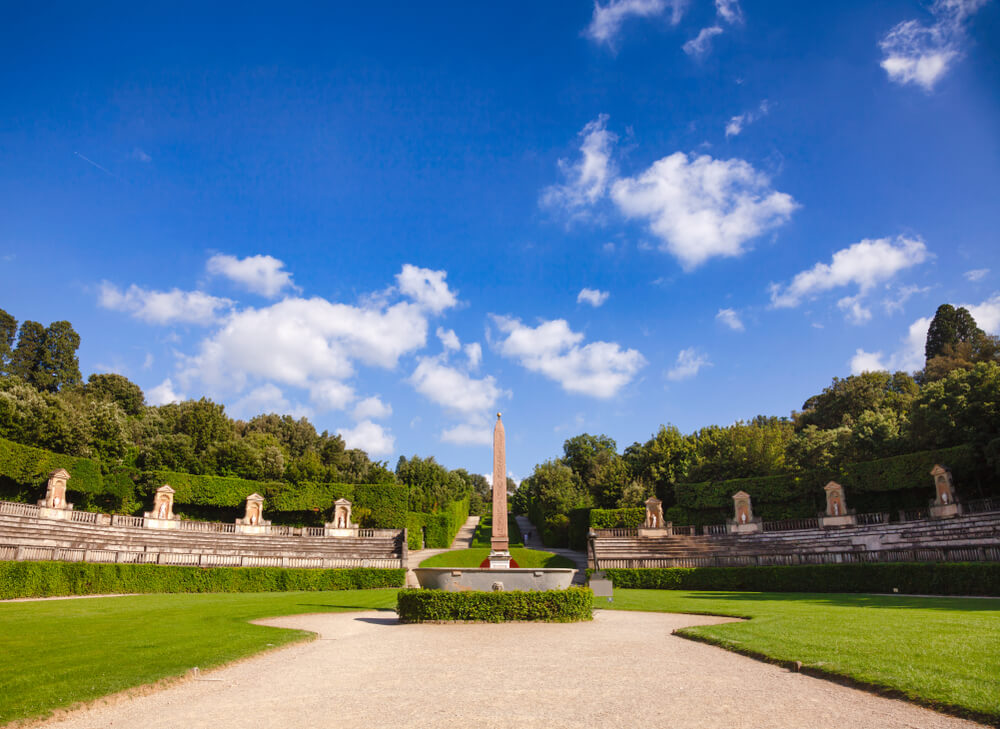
x=461, y=579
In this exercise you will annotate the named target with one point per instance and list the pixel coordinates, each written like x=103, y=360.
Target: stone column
x=499, y=542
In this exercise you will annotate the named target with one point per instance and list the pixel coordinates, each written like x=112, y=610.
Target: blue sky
x=398, y=219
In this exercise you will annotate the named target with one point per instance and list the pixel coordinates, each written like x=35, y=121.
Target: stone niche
x=654, y=526
x=945, y=504
x=162, y=515
x=54, y=505
x=341, y=525
x=837, y=513
x=743, y=521
x=253, y=519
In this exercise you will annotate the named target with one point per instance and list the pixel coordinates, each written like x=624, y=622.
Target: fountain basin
x=461, y=579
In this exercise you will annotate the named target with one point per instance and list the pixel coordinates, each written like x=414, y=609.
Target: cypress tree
x=26, y=358
x=8, y=330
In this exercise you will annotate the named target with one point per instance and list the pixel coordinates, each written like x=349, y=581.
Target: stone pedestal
x=749, y=527
x=655, y=532
x=837, y=521
x=499, y=560
x=62, y=512
x=332, y=531
x=945, y=511
x=154, y=523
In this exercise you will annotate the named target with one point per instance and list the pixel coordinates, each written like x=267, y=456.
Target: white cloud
x=863, y=264
x=910, y=356
x=163, y=394
x=587, y=180
x=607, y=20
x=919, y=54
x=453, y=389
x=703, y=207
x=598, y=369
x=737, y=123
x=448, y=338
x=372, y=408
x=689, y=362
x=977, y=274
x=468, y=434
x=474, y=353
x=426, y=287
x=267, y=398
x=369, y=437
x=140, y=156
x=903, y=294
x=162, y=307
x=731, y=319
x=729, y=11
x=148, y=361
x=331, y=395
x=701, y=43
x=264, y=275
x=594, y=297
x=856, y=312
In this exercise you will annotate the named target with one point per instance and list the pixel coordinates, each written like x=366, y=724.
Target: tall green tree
x=8, y=331
x=59, y=366
x=117, y=389
x=26, y=360
x=950, y=326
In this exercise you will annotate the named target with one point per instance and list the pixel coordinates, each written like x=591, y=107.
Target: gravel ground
x=622, y=670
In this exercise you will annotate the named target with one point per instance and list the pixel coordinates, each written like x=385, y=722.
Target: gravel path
x=622, y=670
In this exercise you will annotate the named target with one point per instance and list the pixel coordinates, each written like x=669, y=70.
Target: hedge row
x=483, y=535
x=611, y=518
x=441, y=526
x=964, y=578
x=45, y=579
x=31, y=466
x=552, y=606
x=887, y=484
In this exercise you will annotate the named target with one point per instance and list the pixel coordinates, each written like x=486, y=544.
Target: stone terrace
x=964, y=538
x=25, y=537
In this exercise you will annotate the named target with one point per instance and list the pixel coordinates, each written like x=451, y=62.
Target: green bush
x=484, y=532
x=611, y=518
x=27, y=466
x=964, y=578
x=579, y=527
x=553, y=606
x=45, y=579
x=442, y=526
x=386, y=502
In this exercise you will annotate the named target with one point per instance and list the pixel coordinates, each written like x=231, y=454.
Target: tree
x=950, y=326
x=963, y=407
x=59, y=365
x=661, y=461
x=117, y=389
x=8, y=330
x=845, y=399
x=25, y=361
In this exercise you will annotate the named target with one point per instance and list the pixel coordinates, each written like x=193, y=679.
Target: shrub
x=959, y=578
x=484, y=532
x=611, y=518
x=442, y=526
x=579, y=526
x=44, y=579
x=27, y=466
x=386, y=502
x=553, y=606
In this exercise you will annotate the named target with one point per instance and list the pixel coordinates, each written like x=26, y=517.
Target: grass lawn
x=940, y=651
x=484, y=531
x=474, y=557
x=58, y=652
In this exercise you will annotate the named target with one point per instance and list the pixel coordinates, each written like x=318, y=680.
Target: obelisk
x=499, y=543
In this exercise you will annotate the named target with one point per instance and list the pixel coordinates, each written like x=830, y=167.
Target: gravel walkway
x=622, y=670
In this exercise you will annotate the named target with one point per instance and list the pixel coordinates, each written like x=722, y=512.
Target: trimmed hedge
x=579, y=527
x=45, y=579
x=29, y=466
x=442, y=526
x=956, y=578
x=551, y=606
x=484, y=532
x=611, y=518
x=386, y=502
x=887, y=484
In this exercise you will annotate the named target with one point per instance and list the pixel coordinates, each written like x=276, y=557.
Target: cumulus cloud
x=729, y=11
x=903, y=294
x=163, y=394
x=910, y=355
x=607, y=20
x=703, y=207
x=474, y=353
x=855, y=311
x=448, y=338
x=453, y=389
x=701, y=43
x=369, y=437
x=478, y=433
x=587, y=180
x=914, y=53
x=736, y=124
x=689, y=363
x=594, y=297
x=331, y=395
x=267, y=398
x=864, y=264
x=372, y=408
x=977, y=274
x=163, y=307
x=264, y=275
x=598, y=369
x=426, y=287
x=731, y=319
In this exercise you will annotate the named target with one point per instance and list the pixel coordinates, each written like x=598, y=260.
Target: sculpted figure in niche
x=835, y=503
x=254, y=514
x=162, y=511
x=743, y=514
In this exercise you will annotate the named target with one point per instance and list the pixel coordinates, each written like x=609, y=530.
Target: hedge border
x=551, y=606
x=51, y=579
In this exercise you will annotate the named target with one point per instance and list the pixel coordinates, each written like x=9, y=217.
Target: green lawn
x=56, y=653
x=474, y=557
x=484, y=531
x=944, y=651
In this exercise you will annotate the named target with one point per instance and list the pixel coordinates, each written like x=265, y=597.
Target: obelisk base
x=499, y=560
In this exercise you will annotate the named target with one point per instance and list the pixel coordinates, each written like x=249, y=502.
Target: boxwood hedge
x=442, y=526
x=45, y=579
x=552, y=606
x=959, y=578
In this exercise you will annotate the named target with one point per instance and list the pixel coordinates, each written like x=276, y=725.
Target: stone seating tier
x=978, y=534
x=387, y=548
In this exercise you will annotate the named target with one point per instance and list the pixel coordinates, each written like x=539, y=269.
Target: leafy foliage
x=552, y=606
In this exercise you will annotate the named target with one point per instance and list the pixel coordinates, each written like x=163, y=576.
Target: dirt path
x=622, y=670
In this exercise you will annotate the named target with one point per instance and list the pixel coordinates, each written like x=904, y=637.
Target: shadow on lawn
x=892, y=602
